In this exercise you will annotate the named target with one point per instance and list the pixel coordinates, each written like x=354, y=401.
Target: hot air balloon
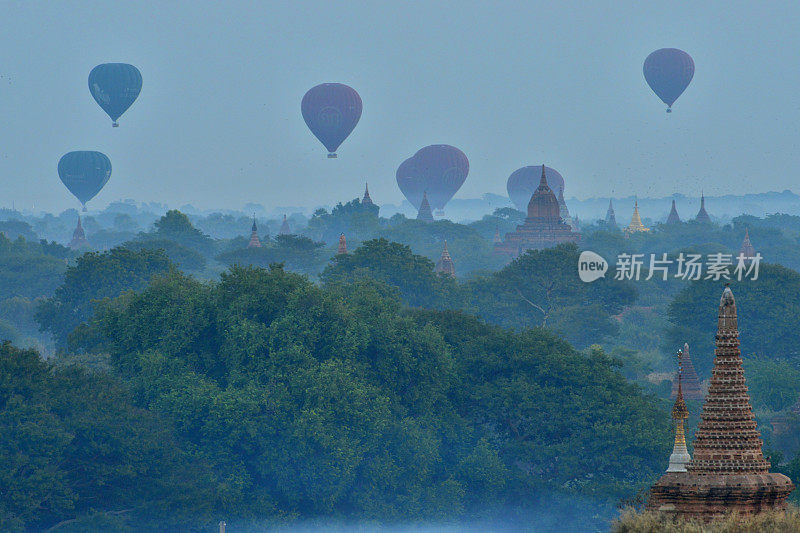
x=668, y=72
x=439, y=169
x=331, y=112
x=115, y=87
x=84, y=174
x=523, y=182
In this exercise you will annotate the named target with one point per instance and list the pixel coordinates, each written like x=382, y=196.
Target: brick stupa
x=342, y=250
x=445, y=263
x=425, y=214
x=702, y=215
x=673, y=217
x=691, y=383
x=79, y=241
x=611, y=218
x=285, y=229
x=543, y=227
x=367, y=200
x=254, y=242
x=728, y=472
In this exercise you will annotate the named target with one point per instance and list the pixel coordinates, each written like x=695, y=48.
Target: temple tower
x=636, y=225
x=747, y=250
x=680, y=455
x=611, y=219
x=691, y=383
x=445, y=263
x=367, y=200
x=342, y=245
x=673, y=217
x=79, y=240
x=702, y=215
x=285, y=229
x=728, y=472
x=425, y=214
x=564, y=211
x=497, y=239
x=254, y=242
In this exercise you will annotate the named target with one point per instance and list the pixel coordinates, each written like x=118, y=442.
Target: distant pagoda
x=747, y=250
x=563, y=211
x=673, y=217
x=285, y=229
x=691, y=383
x=254, y=242
x=702, y=215
x=497, y=238
x=728, y=472
x=366, y=200
x=636, y=225
x=425, y=214
x=680, y=455
x=79, y=240
x=543, y=227
x=342, y=245
x=445, y=263
x=611, y=219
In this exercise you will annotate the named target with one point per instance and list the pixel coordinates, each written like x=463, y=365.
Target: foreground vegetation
x=767, y=522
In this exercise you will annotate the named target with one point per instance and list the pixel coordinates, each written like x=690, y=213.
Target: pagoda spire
x=445, y=263
x=636, y=225
x=673, y=217
x=79, y=237
x=285, y=229
x=680, y=455
x=747, y=250
x=254, y=242
x=367, y=200
x=691, y=383
x=342, y=245
x=702, y=215
x=425, y=214
x=611, y=218
x=497, y=239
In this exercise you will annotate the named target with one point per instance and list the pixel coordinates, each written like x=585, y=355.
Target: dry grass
x=632, y=521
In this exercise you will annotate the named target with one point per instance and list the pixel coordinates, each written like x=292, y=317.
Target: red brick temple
x=673, y=217
x=543, y=227
x=691, y=383
x=79, y=241
x=728, y=472
x=445, y=263
x=254, y=242
x=342, y=245
x=425, y=214
x=702, y=215
x=747, y=250
x=367, y=200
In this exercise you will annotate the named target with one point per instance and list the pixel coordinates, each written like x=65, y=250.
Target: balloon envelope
x=439, y=169
x=331, y=112
x=668, y=72
x=522, y=183
x=115, y=86
x=84, y=173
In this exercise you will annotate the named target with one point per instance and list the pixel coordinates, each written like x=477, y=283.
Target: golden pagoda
x=680, y=454
x=636, y=225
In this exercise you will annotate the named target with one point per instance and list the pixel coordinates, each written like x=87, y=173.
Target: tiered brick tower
x=636, y=225
x=425, y=214
x=254, y=242
x=728, y=472
x=285, y=229
x=445, y=263
x=747, y=249
x=367, y=200
x=342, y=245
x=691, y=383
x=79, y=240
x=543, y=227
x=611, y=218
x=673, y=217
x=702, y=215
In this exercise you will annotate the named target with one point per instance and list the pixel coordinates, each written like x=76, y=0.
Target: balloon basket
x=114, y=125
x=84, y=209
x=669, y=110
x=332, y=155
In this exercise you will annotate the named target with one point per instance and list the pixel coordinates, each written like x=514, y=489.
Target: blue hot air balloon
x=668, y=72
x=84, y=174
x=115, y=86
x=331, y=112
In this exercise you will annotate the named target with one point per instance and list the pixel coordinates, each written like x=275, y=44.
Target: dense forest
x=173, y=377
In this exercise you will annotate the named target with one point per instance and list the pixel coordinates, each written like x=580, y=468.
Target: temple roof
x=445, y=263
x=254, y=242
x=285, y=229
x=367, y=200
x=544, y=204
x=747, y=249
x=611, y=218
x=425, y=214
x=497, y=238
x=727, y=440
x=702, y=215
x=79, y=237
x=673, y=217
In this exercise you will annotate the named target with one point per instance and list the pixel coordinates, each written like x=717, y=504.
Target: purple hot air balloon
x=668, y=72
x=439, y=169
x=331, y=111
x=523, y=182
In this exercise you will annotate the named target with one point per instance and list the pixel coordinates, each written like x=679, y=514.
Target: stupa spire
x=254, y=242
x=636, y=225
x=367, y=200
x=342, y=245
x=691, y=383
x=747, y=249
x=497, y=239
x=673, y=217
x=425, y=214
x=611, y=218
x=445, y=263
x=702, y=215
x=79, y=237
x=680, y=454
x=285, y=229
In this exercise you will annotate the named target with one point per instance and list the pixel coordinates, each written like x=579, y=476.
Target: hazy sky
x=218, y=121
